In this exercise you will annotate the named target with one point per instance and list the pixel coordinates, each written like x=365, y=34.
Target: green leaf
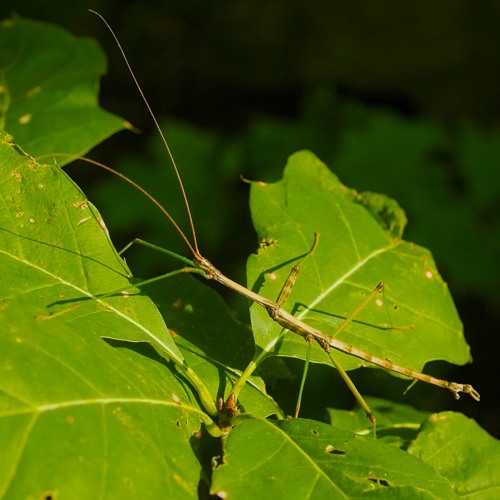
x=461, y=451
x=79, y=416
x=392, y=419
x=414, y=321
x=56, y=246
x=306, y=459
x=65, y=393
x=452, y=173
x=121, y=416
x=215, y=345
x=48, y=89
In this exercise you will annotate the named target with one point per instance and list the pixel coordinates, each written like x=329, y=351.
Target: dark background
x=396, y=97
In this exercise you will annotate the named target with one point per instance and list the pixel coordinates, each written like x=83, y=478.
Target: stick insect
x=202, y=266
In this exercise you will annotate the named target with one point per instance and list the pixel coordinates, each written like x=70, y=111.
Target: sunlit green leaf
x=48, y=89
x=462, y=452
x=98, y=398
x=204, y=330
x=77, y=414
x=306, y=459
x=392, y=419
x=414, y=321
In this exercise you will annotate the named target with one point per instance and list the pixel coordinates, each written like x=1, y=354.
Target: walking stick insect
x=202, y=266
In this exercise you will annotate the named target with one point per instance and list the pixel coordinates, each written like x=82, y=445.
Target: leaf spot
x=83, y=205
x=379, y=303
x=34, y=91
x=25, y=119
x=85, y=219
x=268, y=242
x=429, y=274
x=103, y=226
x=178, y=305
x=175, y=398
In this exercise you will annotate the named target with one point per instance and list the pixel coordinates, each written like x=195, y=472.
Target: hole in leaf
x=316, y=433
x=381, y=482
x=333, y=451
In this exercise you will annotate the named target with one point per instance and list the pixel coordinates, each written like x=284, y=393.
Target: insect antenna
x=194, y=250
x=194, y=246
